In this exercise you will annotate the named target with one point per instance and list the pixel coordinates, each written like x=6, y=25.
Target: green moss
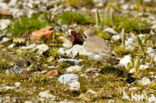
x=40, y=79
x=103, y=35
x=122, y=51
x=71, y=17
x=130, y=24
x=3, y=64
x=78, y=3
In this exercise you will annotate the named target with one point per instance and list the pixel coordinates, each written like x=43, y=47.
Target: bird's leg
x=99, y=63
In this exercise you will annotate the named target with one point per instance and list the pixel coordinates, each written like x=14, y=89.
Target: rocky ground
x=42, y=58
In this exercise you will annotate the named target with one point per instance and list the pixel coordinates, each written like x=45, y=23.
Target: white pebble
x=125, y=60
x=17, y=84
x=75, y=68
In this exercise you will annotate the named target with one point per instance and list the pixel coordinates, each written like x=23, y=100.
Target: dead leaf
x=45, y=32
x=52, y=72
x=5, y=12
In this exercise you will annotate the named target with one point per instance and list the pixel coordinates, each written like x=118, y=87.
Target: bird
x=96, y=47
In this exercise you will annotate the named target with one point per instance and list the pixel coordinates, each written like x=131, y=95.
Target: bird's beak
x=84, y=36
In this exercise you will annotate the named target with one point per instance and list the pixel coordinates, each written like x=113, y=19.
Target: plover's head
x=89, y=33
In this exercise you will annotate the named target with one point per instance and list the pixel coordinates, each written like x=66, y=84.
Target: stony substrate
x=42, y=57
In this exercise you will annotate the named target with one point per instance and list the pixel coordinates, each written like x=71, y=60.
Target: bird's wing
x=96, y=45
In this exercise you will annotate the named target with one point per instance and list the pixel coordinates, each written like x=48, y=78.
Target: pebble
x=133, y=88
x=92, y=92
x=125, y=96
x=74, y=86
x=151, y=53
x=17, y=84
x=67, y=43
x=28, y=102
x=5, y=39
x=46, y=94
x=31, y=46
x=125, y=60
x=116, y=37
x=2, y=35
x=132, y=70
x=73, y=52
x=14, y=70
x=152, y=99
x=130, y=43
x=110, y=31
x=42, y=48
x=89, y=70
x=145, y=81
x=4, y=23
x=68, y=78
x=12, y=3
x=75, y=68
x=84, y=75
x=144, y=67
x=76, y=62
x=11, y=46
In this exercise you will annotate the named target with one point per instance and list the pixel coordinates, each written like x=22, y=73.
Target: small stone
x=14, y=70
x=75, y=68
x=152, y=53
x=12, y=3
x=130, y=43
x=76, y=62
x=68, y=78
x=17, y=84
x=132, y=70
x=152, y=99
x=31, y=46
x=74, y=86
x=42, y=48
x=4, y=23
x=5, y=39
x=73, y=52
x=11, y=46
x=84, y=75
x=2, y=35
x=52, y=72
x=28, y=102
x=145, y=81
x=125, y=60
x=116, y=37
x=144, y=67
x=89, y=70
x=110, y=31
x=125, y=96
x=133, y=88
x=67, y=43
x=46, y=94
x=92, y=92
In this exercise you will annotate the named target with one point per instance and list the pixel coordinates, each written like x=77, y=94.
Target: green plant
x=70, y=17
x=141, y=46
x=24, y=24
x=136, y=65
x=98, y=20
x=123, y=37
